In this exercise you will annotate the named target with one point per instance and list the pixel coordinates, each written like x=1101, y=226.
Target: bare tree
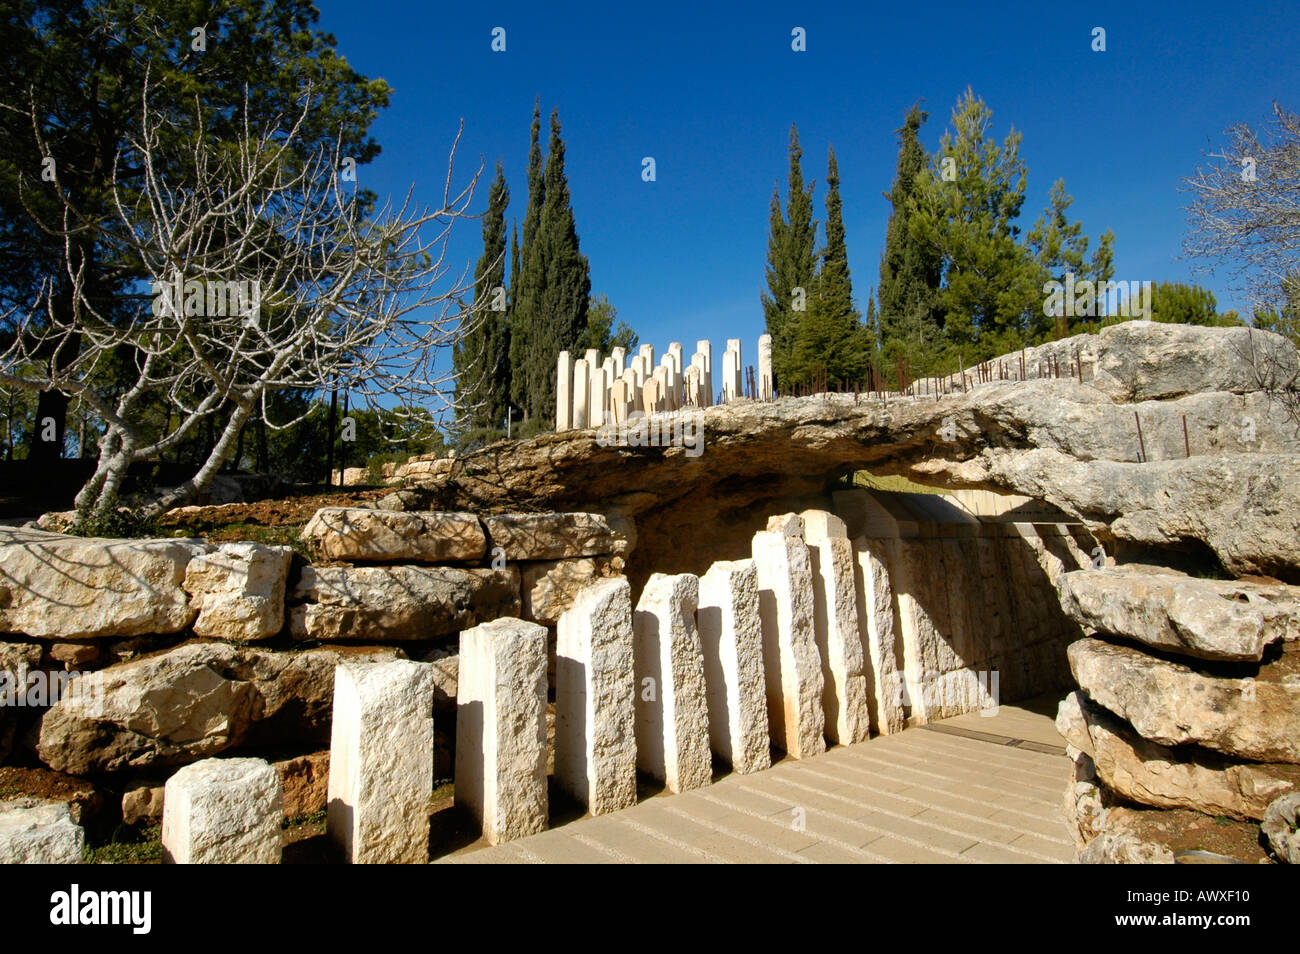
x=267, y=274
x=1245, y=214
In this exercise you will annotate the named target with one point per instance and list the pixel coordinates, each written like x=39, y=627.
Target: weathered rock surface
x=550, y=587
x=1281, y=826
x=552, y=536
x=76, y=588
x=222, y=812
x=143, y=800
x=304, y=782
x=392, y=536
x=1255, y=718
x=399, y=602
x=38, y=833
x=191, y=702
x=1085, y=800
x=1121, y=844
x=1164, y=777
x=239, y=591
x=1207, y=619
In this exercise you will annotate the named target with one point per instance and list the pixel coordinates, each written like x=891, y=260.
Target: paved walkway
x=966, y=790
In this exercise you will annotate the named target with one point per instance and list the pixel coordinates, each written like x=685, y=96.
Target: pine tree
x=566, y=283
x=527, y=281
x=832, y=341
x=791, y=271
x=482, y=356
x=909, y=269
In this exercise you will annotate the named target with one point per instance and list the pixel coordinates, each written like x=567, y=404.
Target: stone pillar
x=672, y=382
x=731, y=636
x=691, y=388
x=661, y=391
x=501, y=728
x=619, y=356
x=564, y=392
x=381, y=762
x=730, y=374
x=765, y=392
x=633, y=390
x=876, y=624
x=618, y=404
x=597, y=400
x=650, y=395
x=792, y=667
x=223, y=812
x=835, y=625
x=672, y=720
x=593, y=359
x=675, y=349
x=647, y=353
x=595, y=747
x=705, y=348
x=581, y=388
x=638, y=370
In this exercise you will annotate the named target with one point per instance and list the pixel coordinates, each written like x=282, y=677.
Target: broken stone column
x=691, y=396
x=597, y=400
x=675, y=350
x=381, y=762
x=638, y=370
x=791, y=664
x=593, y=359
x=672, y=720
x=731, y=385
x=618, y=404
x=564, y=392
x=765, y=368
x=705, y=348
x=650, y=395
x=595, y=739
x=223, y=812
x=647, y=353
x=619, y=357
x=633, y=390
x=876, y=624
x=501, y=728
x=731, y=637
x=835, y=625
x=671, y=384
x=581, y=386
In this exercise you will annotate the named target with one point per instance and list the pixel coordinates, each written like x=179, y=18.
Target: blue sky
x=711, y=93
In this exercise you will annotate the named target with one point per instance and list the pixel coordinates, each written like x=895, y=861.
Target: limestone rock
x=61, y=587
x=39, y=833
x=731, y=637
x=191, y=702
x=550, y=587
x=672, y=716
x=1255, y=718
x=222, y=811
x=75, y=654
x=552, y=536
x=381, y=762
x=143, y=801
x=1208, y=619
x=1151, y=774
x=391, y=536
x=304, y=783
x=875, y=597
x=1124, y=848
x=399, y=602
x=239, y=591
x=1281, y=827
x=1085, y=800
x=446, y=679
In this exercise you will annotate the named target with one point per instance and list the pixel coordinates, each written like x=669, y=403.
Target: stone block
x=39, y=833
x=391, y=536
x=223, y=811
x=239, y=591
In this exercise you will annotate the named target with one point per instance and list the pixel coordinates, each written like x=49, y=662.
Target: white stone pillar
x=672, y=390
x=595, y=740
x=672, y=719
x=564, y=392
x=731, y=636
x=705, y=348
x=691, y=396
x=876, y=624
x=647, y=353
x=223, y=812
x=650, y=395
x=619, y=355
x=835, y=626
x=593, y=359
x=730, y=374
x=792, y=667
x=765, y=392
x=675, y=350
x=618, y=403
x=581, y=389
x=633, y=390
x=597, y=400
x=501, y=728
x=638, y=370
x=381, y=761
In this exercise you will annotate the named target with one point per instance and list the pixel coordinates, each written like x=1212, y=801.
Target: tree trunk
x=329, y=438
x=221, y=451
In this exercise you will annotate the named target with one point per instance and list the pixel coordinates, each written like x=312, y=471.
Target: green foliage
x=791, y=267
x=482, y=355
x=128, y=845
x=477, y=439
x=1179, y=303
x=910, y=269
x=600, y=335
x=1285, y=320
x=111, y=518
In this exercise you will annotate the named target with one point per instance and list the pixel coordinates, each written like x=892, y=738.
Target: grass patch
x=129, y=846
x=311, y=818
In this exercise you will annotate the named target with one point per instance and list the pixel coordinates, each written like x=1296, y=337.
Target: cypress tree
x=527, y=281
x=832, y=339
x=791, y=271
x=909, y=268
x=482, y=356
x=561, y=318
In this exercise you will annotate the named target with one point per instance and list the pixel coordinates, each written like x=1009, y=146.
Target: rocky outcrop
x=550, y=587
x=1255, y=718
x=192, y=702
x=1224, y=620
x=379, y=604
x=77, y=588
x=239, y=591
x=393, y=536
x=552, y=536
x=1282, y=828
x=1150, y=774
